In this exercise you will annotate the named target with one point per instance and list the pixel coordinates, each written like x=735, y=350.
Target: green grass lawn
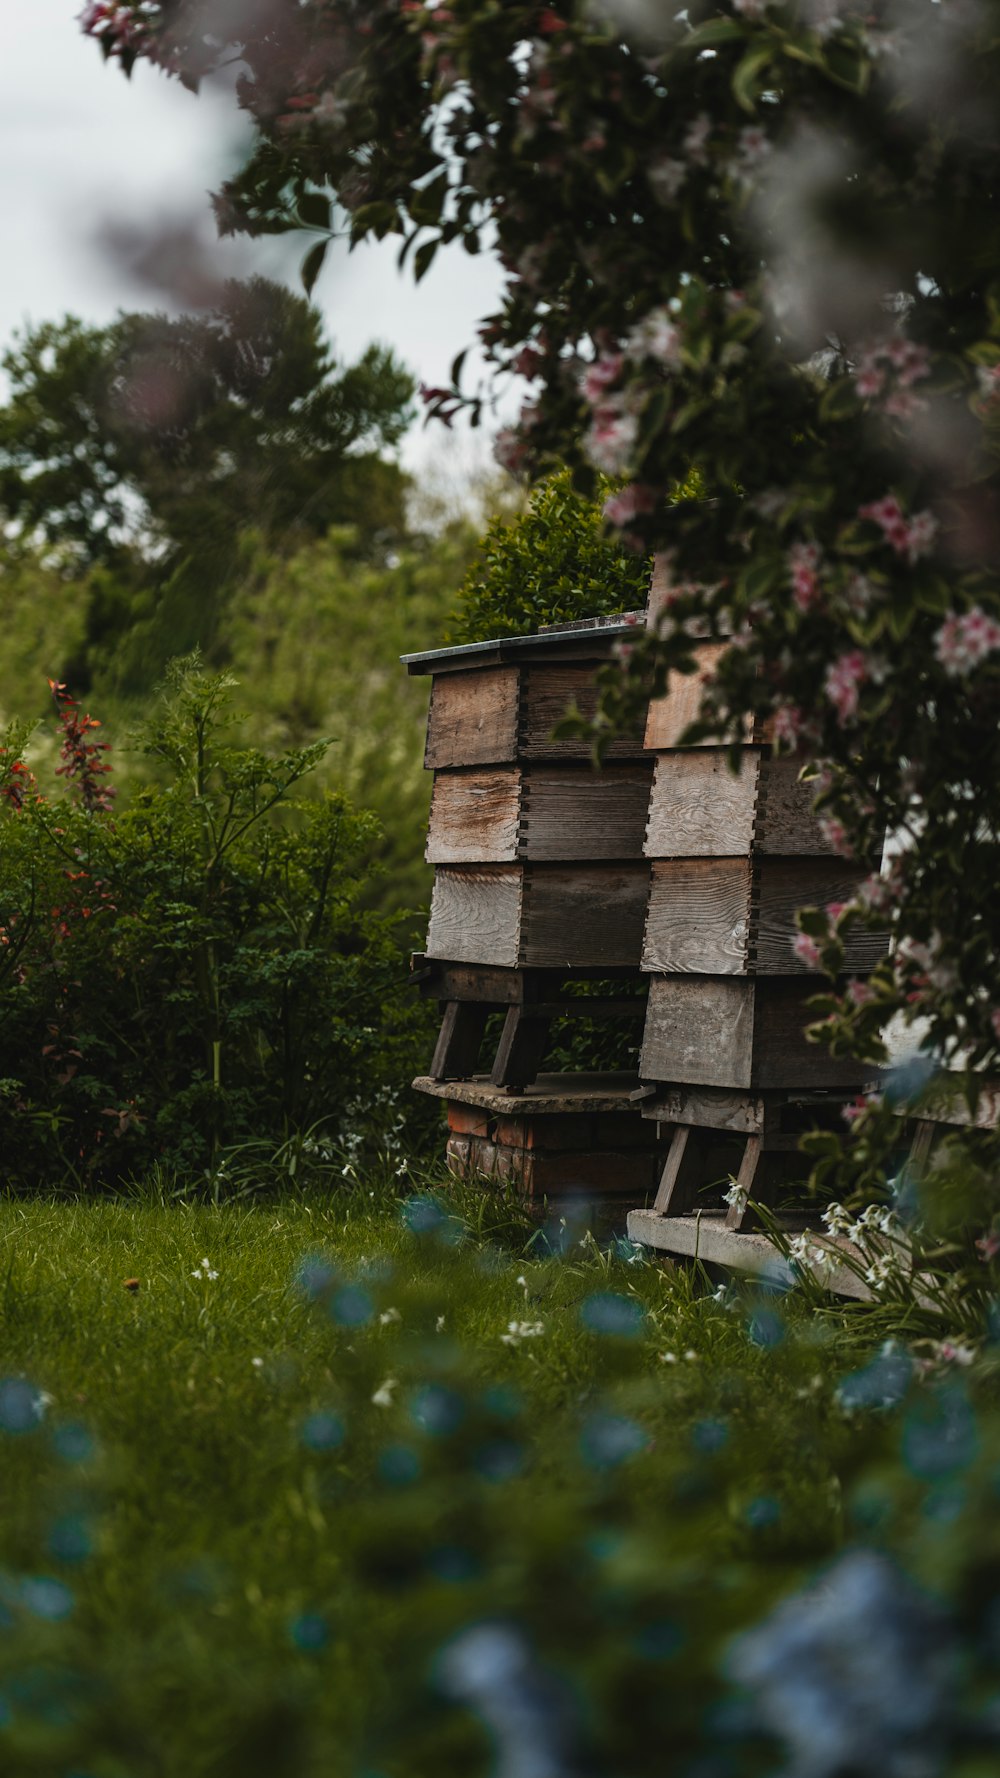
x=250, y=1502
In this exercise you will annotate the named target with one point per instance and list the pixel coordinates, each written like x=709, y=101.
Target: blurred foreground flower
x=853, y=1675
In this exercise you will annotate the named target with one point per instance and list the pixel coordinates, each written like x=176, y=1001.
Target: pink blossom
x=901, y=405
x=611, y=440
x=911, y=538
x=803, y=562
x=876, y=893
x=751, y=9
x=600, y=375
x=870, y=381
x=753, y=146
x=860, y=993
x=844, y=679
x=988, y=1246
x=857, y=1108
x=666, y=176
x=787, y=724
x=965, y=639
x=835, y=834
x=834, y=909
x=527, y=362
x=988, y=377
x=806, y=950
x=509, y=450
x=620, y=509
x=696, y=140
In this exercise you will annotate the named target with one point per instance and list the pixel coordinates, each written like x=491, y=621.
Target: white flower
x=521, y=1330
x=735, y=1197
x=882, y=1270
x=836, y=1219
x=388, y=1316
x=383, y=1394
x=258, y=1363
x=656, y=336
x=950, y=1353
x=204, y=1270
x=668, y=1358
x=439, y=1324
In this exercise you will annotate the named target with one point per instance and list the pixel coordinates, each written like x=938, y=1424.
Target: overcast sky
x=82, y=148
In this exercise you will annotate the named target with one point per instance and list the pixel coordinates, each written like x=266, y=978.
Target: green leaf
x=840, y=400
x=427, y=201
x=848, y=65
x=312, y=265
x=716, y=31
x=314, y=210
x=748, y=79
x=423, y=259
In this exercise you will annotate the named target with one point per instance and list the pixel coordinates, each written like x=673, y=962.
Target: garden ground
x=266, y=1466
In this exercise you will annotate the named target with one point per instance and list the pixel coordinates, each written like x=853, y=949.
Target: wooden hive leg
x=739, y=1212
x=521, y=1050
x=457, y=1050
x=680, y=1177
x=920, y=1148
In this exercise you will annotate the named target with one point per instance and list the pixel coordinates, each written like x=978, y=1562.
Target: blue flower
x=853, y=1675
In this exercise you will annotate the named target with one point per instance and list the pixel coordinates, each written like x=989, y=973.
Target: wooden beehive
x=733, y=856
x=538, y=855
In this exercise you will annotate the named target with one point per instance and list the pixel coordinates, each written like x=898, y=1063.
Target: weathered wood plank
x=736, y=916
x=473, y=718
x=521, y=1050
x=782, y=886
x=698, y=808
x=551, y=1094
x=583, y=914
x=699, y=917
x=734, y=1032
x=475, y=817
x=713, y=1107
x=706, y=1237
x=476, y=914
x=786, y=824
x=700, y=1030
x=680, y=705
x=456, y=1053
x=547, y=694
x=575, y=812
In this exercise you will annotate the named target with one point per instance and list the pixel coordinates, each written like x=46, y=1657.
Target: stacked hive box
x=733, y=855
x=540, y=882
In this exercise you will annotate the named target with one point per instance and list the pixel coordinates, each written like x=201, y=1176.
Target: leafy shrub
x=553, y=564
x=195, y=972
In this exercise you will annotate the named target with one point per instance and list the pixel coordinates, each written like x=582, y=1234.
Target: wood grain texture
x=736, y=916
x=547, y=694
x=714, y=1031
x=699, y=917
x=670, y=715
x=786, y=824
x=475, y=817
x=706, y=1237
x=698, y=808
x=587, y=914
x=576, y=812
x=476, y=914
x=473, y=718
x=699, y=1030
x=782, y=886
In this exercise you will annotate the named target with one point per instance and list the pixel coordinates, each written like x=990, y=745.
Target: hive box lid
x=591, y=638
